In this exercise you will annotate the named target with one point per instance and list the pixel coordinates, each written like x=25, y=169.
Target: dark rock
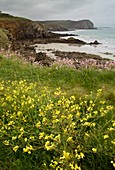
x=94, y=43
x=30, y=48
x=76, y=55
x=43, y=59
x=76, y=41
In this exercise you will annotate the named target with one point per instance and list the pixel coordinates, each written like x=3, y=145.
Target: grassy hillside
x=5, y=16
x=56, y=117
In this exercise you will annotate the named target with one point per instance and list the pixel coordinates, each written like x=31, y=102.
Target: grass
x=56, y=118
x=4, y=41
x=74, y=82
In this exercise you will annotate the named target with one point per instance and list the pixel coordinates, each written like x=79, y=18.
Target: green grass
x=5, y=16
x=74, y=82
x=44, y=128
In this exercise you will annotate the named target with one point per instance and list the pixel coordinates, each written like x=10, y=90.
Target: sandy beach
x=90, y=49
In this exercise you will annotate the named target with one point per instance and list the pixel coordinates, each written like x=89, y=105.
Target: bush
x=44, y=130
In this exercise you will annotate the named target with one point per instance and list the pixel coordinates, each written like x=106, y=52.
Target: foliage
x=74, y=82
x=48, y=130
x=4, y=42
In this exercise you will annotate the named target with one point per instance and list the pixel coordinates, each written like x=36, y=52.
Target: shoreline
x=49, y=49
x=72, y=52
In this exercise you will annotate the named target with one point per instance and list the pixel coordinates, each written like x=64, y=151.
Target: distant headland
x=67, y=25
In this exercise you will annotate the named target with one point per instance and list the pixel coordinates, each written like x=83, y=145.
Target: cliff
x=21, y=28
x=64, y=25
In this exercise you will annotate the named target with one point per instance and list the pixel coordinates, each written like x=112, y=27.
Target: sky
x=100, y=12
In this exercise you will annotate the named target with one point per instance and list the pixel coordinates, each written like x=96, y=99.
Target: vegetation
x=55, y=117
x=5, y=16
x=74, y=82
x=4, y=41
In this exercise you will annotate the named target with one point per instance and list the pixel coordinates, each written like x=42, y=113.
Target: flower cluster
x=85, y=63
x=63, y=128
x=65, y=62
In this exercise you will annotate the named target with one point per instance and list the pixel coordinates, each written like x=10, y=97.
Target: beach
x=90, y=49
x=105, y=36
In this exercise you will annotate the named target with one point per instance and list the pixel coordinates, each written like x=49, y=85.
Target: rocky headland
x=67, y=25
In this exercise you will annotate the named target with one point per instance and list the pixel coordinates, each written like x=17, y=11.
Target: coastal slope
x=20, y=28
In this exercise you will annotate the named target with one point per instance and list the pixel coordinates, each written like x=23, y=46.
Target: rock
x=94, y=43
x=76, y=41
x=76, y=55
x=43, y=59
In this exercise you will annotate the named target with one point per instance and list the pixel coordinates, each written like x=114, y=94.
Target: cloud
x=101, y=12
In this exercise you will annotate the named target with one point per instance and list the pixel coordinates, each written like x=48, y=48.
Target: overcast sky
x=101, y=12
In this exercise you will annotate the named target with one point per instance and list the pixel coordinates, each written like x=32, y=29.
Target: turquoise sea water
x=106, y=36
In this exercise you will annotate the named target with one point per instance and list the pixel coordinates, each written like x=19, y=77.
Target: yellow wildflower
x=41, y=135
x=14, y=137
x=113, y=123
x=6, y=142
x=57, y=138
x=94, y=150
x=25, y=139
x=10, y=123
x=38, y=124
x=69, y=139
x=113, y=163
x=32, y=137
x=82, y=155
x=49, y=146
x=106, y=136
x=28, y=149
x=21, y=129
x=110, y=129
x=19, y=113
x=15, y=148
x=113, y=142
x=66, y=155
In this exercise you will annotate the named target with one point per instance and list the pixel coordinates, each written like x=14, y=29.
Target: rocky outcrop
x=21, y=28
x=65, y=25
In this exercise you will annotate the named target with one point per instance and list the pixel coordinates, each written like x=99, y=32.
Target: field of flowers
x=46, y=130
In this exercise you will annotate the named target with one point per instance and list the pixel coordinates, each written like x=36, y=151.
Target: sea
x=104, y=35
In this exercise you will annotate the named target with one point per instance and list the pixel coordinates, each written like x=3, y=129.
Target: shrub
x=44, y=130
